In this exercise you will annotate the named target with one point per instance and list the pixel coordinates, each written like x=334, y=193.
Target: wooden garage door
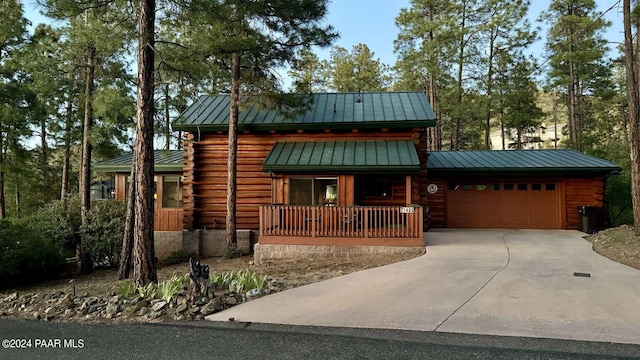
x=510, y=205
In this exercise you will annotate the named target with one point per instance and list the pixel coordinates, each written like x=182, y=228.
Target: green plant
x=147, y=292
x=178, y=257
x=166, y=289
x=125, y=288
x=260, y=282
x=104, y=228
x=232, y=252
x=59, y=222
x=26, y=255
x=217, y=279
x=180, y=282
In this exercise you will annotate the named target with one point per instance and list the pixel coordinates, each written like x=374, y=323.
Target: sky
x=372, y=22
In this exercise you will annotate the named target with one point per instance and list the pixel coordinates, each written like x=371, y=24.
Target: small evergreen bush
x=26, y=255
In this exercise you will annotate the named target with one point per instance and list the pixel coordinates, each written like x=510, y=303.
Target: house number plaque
x=432, y=188
x=407, y=210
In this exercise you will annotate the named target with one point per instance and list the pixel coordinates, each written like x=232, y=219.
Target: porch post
x=407, y=190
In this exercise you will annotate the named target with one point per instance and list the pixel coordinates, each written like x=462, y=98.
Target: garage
x=514, y=204
x=514, y=189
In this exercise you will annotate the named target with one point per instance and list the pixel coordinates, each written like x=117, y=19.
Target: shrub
x=58, y=222
x=232, y=252
x=104, y=228
x=26, y=255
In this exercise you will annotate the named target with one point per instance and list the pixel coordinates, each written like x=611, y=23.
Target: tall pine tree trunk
x=631, y=65
x=144, y=267
x=3, y=201
x=66, y=161
x=167, y=119
x=233, y=152
x=128, y=236
x=85, y=166
x=487, y=130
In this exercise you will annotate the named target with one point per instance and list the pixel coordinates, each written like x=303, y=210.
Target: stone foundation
x=209, y=243
x=167, y=242
x=268, y=252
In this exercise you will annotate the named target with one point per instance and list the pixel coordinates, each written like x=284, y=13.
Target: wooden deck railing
x=168, y=219
x=333, y=223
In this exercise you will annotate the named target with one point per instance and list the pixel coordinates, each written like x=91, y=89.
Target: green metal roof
x=164, y=161
x=518, y=162
x=344, y=157
x=327, y=111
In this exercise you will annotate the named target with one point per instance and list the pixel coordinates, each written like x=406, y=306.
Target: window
x=467, y=187
x=375, y=187
x=507, y=187
x=454, y=186
x=522, y=187
x=313, y=191
x=536, y=187
x=550, y=187
x=481, y=187
x=171, y=191
x=495, y=187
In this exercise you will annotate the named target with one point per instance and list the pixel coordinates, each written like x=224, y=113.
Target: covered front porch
x=343, y=193
x=341, y=225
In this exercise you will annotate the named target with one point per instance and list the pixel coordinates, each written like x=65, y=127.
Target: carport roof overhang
x=518, y=163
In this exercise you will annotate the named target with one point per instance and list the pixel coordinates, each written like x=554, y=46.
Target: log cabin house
x=168, y=185
x=349, y=171
x=354, y=170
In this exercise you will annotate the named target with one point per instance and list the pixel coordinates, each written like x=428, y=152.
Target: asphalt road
x=206, y=340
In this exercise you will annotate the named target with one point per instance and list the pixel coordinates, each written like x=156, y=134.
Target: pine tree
x=576, y=49
x=250, y=40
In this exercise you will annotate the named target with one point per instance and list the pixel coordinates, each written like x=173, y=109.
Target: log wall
x=580, y=192
x=205, y=173
x=437, y=214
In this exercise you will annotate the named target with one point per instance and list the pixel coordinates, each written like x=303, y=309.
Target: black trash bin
x=588, y=216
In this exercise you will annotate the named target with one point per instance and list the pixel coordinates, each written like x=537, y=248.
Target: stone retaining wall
x=267, y=252
x=167, y=242
x=208, y=243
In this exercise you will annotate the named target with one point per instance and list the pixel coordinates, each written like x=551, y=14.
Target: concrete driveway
x=498, y=282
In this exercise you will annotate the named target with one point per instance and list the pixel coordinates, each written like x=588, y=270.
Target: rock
x=37, y=316
x=115, y=299
x=266, y=291
x=49, y=310
x=182, y=308
x=91, y=309
x=181, y=300
x=12, y=297
x=110, y=316
x=67, y=301
x=253, y=294
x=199, y=317
x=154, y=315
x=194, y=310
x=142, y=311
x=208, y=309
x=69, y=312
x=112, y=308
x=178, y=317
x=140, y=305
x=159, y=305
x=231, y=301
